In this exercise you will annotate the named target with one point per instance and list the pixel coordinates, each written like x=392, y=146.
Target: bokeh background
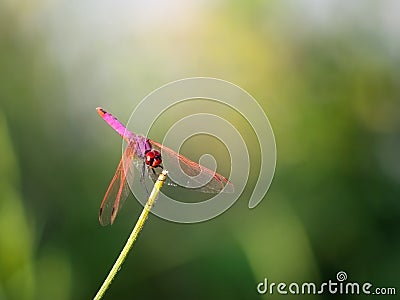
x=327, y=74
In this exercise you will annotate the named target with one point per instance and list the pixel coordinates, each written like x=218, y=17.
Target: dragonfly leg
x=142, y=177
x=143, y=172
x=154, y=172
x=147, y=191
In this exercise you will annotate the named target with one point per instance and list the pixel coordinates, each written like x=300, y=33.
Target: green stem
x=135, y=232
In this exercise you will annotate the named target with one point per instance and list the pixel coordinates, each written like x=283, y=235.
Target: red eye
x=156, y=162
x=149, y=158
x=150, y=155
x=157, y=159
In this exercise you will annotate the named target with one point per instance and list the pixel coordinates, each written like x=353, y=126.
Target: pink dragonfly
x=145, y=154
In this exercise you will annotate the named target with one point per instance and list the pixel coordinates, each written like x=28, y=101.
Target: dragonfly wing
x=118, y=190
x=210, y=181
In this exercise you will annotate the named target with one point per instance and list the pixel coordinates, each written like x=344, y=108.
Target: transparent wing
x=118, y=190
x=213, y=182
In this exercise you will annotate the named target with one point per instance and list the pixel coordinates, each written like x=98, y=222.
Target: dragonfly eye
x=149, y=158
x=157, y=154
x=157, y=161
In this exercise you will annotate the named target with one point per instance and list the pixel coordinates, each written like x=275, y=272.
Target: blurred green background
x=327, y=74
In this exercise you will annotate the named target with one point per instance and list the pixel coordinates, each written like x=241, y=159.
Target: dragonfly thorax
x=153, y=158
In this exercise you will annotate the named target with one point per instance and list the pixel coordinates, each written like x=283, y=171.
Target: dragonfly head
x=153, y=158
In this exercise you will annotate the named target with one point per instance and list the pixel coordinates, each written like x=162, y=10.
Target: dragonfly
x=147, y=156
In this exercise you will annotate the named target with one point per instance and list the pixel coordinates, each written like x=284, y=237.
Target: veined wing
x=118, y=190
x=211, y=181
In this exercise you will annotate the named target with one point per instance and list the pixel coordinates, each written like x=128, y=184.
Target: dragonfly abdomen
x=116, y=124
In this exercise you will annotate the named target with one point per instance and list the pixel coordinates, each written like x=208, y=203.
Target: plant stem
x=134, y=234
